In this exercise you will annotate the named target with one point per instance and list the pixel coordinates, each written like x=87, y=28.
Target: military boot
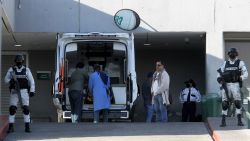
x=239, y=120
x=11, y=128
x=223, y=121
x=27, y=127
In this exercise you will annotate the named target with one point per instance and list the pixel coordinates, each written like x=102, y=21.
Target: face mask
x=19, y=64
x=232, y=56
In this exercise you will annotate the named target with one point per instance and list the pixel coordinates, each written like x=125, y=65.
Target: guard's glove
x=12, y=84
x=240, y=78
x=220, y=80
x=31, y=94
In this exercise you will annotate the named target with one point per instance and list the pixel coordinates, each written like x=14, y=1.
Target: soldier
x=22, y=86
x=230, y=76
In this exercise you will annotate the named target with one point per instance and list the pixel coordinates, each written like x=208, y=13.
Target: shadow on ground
x=46, y=131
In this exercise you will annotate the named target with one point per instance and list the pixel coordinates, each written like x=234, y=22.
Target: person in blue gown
x=98, y=89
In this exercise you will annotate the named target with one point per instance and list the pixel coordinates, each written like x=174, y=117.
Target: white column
x=214, y=59
x=1, y=30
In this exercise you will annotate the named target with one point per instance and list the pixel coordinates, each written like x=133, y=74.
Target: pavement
x=231, y=132
x=171, y=131
x=127, y=131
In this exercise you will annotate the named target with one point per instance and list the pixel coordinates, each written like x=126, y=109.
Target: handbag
x=88, y=99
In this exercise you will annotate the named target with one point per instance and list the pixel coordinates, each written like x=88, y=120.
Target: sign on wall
x=43, y=75
x=127, y=19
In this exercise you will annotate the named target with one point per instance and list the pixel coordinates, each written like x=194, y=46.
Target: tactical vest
x=232, y=72
x=21, y=78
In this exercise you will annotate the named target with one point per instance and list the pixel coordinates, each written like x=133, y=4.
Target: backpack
x=109, y=90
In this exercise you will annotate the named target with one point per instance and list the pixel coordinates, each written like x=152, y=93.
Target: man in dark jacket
x=147, y=96
x=78, y=79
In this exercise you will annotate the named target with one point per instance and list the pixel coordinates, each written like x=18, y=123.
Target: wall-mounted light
x=147, y=42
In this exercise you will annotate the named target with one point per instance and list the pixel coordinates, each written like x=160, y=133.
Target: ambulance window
x=110, y=55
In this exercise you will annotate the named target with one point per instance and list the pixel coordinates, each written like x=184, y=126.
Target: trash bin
x=211, y=105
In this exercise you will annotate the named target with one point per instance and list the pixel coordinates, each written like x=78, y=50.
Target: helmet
x=232, y=50
x=19, y=58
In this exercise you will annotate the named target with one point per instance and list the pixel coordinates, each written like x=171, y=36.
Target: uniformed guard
x=189, y=97
x=22, y=86
x=230, y=76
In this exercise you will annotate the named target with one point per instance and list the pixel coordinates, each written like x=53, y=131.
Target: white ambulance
x=115, y=51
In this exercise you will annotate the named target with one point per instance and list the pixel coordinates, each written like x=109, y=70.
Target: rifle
x=17, y=88
x=224, y=86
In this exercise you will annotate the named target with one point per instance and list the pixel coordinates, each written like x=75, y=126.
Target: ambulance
x=114, y=52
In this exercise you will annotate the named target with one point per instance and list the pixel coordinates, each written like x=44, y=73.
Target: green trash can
x=204, y=107
x=211, y=105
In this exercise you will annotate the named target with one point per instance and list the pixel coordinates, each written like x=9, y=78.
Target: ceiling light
x=17, y=45
x=147, y=42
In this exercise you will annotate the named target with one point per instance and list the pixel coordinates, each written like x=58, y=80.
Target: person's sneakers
x=95, y=122
x=11, y=128
x=223, y=121
x=27, y=127
x=239, y=120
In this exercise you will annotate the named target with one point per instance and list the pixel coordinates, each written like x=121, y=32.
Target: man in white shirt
x=231, y=74
x=160, y=92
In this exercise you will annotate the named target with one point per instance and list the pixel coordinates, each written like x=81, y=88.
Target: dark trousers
x=76, y=102
x=188, y=111
x=150, y=111
x=104, y=113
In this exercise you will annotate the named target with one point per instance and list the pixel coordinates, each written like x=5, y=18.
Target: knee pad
x=12, y=110
x=26, y=110
x=225, y=105
x=237, y=104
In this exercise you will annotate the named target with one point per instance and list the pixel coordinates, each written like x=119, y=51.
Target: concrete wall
x=1, y=23
x=97, y=15
x=41, y=105
x=232, y=15
x=47, y=16
x=181, y=66
x=7, y=13
x=9, y=10
x=213, y=17
x=164, y=15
